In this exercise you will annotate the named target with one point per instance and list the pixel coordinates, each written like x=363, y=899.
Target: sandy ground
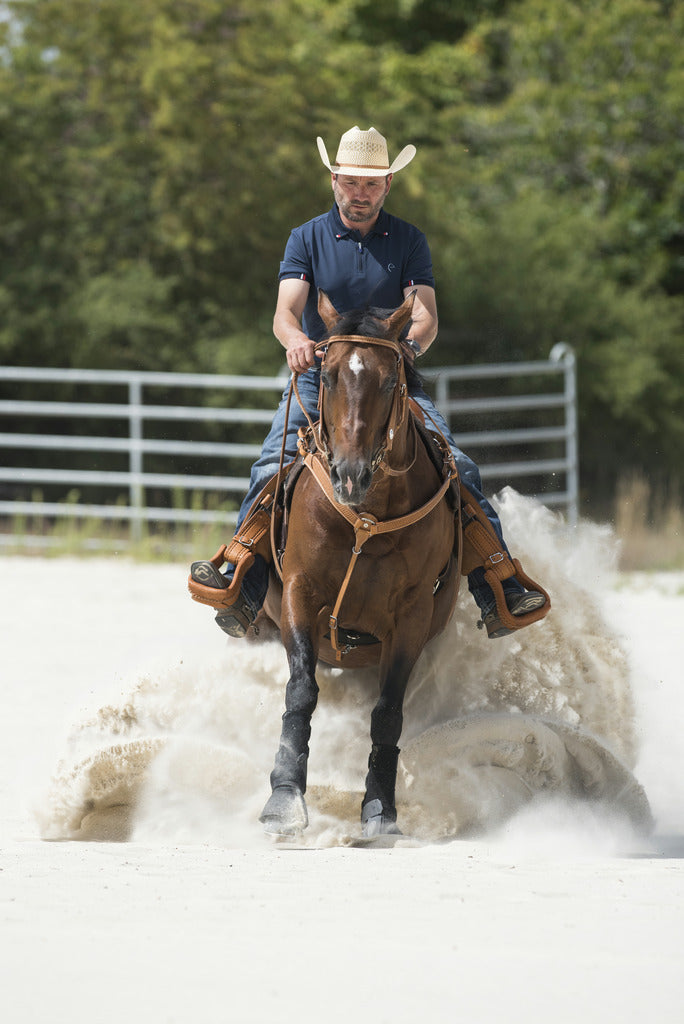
x=126, y=712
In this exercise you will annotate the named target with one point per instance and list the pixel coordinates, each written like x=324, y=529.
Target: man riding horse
x=360, y=255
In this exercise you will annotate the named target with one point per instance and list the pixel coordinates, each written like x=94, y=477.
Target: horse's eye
x=326, y=380
x=389, y=385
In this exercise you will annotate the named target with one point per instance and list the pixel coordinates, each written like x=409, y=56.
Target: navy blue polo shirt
x=355, y=271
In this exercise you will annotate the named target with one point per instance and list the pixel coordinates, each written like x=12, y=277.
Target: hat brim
x=405, y=157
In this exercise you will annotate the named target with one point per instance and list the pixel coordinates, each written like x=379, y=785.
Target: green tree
x=154, y=156
x=568, y=212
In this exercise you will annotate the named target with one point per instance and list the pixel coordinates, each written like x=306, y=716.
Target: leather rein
x=318, y=462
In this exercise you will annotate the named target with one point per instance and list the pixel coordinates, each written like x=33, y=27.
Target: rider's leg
x=470, y=475
x=255, y=583
x=268, y=462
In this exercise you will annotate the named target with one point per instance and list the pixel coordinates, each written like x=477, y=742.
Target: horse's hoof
x=375, y=823
x=285, y=812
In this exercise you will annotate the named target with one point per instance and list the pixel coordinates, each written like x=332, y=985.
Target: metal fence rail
x=56, y=451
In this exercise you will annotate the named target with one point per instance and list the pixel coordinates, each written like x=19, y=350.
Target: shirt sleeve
x=417, y=268
x=296, y=263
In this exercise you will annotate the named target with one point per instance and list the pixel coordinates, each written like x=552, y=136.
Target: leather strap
x=365, y=526
x=482, y=548
x=517, y=621
x=366, y=522
x=222, y=598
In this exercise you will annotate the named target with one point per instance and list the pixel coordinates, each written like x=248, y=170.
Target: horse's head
x=363, y=392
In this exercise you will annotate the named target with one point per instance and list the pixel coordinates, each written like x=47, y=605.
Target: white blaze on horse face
x=356, y=364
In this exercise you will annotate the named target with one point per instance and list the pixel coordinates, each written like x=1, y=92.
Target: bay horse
x=371, y=554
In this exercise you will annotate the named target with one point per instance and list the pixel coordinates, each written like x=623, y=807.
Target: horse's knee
x=301, y=698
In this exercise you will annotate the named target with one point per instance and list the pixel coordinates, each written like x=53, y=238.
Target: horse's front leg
x=378, y=812
x=285, y=812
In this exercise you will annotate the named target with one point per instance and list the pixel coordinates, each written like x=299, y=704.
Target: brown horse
x=369, y=571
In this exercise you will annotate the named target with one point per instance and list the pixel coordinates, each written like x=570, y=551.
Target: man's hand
x=287, y=325
x=300, y=355
x=410, y=349
x=423, y=317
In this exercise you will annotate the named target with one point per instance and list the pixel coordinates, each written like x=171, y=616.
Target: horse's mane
x=368, y=321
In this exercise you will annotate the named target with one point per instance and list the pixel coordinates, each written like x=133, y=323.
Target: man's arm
x=287, y=324
x=423, y=330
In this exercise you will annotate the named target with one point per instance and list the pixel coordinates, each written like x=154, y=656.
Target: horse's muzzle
x=350, y=480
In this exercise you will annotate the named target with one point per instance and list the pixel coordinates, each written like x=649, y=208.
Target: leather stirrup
x=482, y=548
x=253, y=538
x=220, y=599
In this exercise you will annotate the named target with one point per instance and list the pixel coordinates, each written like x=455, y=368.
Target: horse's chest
x=384, y=568
x=389, y=566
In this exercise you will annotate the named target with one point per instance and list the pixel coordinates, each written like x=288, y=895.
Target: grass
x=649, y=523
x=78, y=536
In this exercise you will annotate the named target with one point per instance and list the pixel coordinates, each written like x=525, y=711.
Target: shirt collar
x=380, y=228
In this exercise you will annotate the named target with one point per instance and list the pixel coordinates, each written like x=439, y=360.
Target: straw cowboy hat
x=364, y=154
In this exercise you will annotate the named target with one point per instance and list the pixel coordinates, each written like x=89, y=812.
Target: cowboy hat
x=364, y=154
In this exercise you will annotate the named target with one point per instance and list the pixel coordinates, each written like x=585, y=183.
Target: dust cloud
x=495, y=733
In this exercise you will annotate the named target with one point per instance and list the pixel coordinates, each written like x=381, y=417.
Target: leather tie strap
x=365, y=526
x=313, y=462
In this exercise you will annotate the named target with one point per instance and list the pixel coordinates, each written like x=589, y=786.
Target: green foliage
x=414, y=24
x=155, y=154
x=125, y=318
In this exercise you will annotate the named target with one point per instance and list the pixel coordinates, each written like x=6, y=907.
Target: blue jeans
x=266, y=466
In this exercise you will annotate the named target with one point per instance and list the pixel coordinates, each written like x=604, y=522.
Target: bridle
x=398, y=412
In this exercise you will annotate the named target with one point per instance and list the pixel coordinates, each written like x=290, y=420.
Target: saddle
x=264, y=532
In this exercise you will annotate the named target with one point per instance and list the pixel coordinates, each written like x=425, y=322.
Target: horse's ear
x=327, y=311
x=397, y=320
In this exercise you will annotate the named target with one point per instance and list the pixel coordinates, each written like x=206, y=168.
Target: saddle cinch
x=264, y=532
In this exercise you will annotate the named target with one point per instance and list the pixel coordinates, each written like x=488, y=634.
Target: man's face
x=360, y=199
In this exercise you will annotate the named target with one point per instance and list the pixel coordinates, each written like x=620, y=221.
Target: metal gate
x=151, y=448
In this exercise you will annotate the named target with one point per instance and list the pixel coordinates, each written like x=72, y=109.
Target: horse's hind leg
x=285, y=812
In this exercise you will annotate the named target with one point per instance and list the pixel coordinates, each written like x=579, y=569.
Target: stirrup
x=209, y=586
x=521, y=608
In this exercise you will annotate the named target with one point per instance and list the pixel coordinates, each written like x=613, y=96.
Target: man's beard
x=358, y=214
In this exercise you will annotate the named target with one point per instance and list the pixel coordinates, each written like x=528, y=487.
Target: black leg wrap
x=379, y=813
x=289, y=770
x=285, y=812
x=293, y=752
